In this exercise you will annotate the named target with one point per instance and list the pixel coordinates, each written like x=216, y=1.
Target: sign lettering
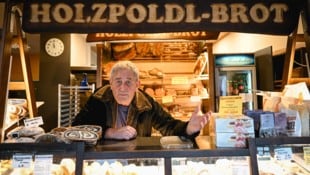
x=136, y=16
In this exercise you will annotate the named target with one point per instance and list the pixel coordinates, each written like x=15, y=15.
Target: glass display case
x=280, y=155
x=146, y=155
x=41, y=158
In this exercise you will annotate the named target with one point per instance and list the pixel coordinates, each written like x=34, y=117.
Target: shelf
x=86, y=69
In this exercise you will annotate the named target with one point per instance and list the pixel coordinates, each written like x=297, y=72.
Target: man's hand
x=197, y=121
x=123, y=133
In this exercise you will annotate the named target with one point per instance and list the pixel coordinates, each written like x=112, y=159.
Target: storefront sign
x=138, y=16
x=95, y=37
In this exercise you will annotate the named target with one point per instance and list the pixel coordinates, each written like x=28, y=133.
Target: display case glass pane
x=137, y=166
x=283, y=159
x=211, y=166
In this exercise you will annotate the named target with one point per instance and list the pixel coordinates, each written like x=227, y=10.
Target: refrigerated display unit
x=235, y=75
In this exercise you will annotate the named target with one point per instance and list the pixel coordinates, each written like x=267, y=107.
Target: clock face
x=54, y=47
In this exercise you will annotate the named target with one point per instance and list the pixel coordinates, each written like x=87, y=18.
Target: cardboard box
x=233, y=130
x=232, y=139
x=234, y=123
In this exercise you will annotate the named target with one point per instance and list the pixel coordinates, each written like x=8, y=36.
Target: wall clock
x=54, y=47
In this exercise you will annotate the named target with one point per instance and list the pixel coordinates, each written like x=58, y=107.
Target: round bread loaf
x=121, y=47
x=76, y=134
x=125, y=55
x=95, y=128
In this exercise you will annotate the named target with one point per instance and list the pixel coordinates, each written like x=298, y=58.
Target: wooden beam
x=289, y=58
x=5, y=50
x=27, y=75
x=211, y=84
x=17, y=85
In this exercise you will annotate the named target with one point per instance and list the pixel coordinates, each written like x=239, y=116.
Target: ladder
x=290, y=54
x=12, y=34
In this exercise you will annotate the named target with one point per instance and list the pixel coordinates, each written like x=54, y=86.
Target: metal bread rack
x=70, y=100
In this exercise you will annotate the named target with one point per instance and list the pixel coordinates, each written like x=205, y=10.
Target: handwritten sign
x=33, y=122
x=179, y=80
x=22, y=160
x=230, y=105
x=43, y=164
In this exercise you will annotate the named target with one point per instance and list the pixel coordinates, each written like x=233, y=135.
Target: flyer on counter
x=230, y=105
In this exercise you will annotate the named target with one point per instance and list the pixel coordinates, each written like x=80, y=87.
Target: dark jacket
x=144, y=113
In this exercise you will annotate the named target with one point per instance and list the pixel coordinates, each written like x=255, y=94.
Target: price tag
x=22, y=161
x=42, y=164
x=179, y=80
x=307, y=155
x=167, y=99
x=246, y=97
x=33, y=122
x=283, y=153
x=230, y=105
x=196, y=99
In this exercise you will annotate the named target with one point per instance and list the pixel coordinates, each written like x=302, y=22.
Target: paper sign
x=230, y=105
x=283, y=153
x=167, y=99
x=33, y=122
x=42, y=164
x=307, y=155
x=179, y=80
x=22, y=161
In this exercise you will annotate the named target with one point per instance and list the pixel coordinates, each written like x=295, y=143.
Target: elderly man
x=124, y=111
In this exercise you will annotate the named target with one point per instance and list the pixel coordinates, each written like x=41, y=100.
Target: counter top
x=150, y=147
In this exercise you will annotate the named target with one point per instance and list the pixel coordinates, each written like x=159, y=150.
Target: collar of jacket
x=140, y=101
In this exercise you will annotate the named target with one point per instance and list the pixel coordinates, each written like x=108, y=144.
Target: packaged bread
x=22, y=131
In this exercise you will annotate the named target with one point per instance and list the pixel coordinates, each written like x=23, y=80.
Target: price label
x=283, y=153
x=22, y=161
x=167, y=99
x=33, y=122
x=195, y=99
x=179, y=80
x=230, y=105
x=307, y=155
x=42, y=164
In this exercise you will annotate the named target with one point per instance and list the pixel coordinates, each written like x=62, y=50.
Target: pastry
x=76, y=134
x=156, y=72
x=95, y=128
x=68, y=166
x=150, y=91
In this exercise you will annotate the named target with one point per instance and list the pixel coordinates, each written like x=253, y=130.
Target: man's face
x=124, y=86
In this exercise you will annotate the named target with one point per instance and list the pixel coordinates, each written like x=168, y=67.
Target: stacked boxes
x=233, y=130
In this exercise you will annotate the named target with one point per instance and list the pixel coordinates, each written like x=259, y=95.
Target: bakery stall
x=173, y=68
x=176, y=70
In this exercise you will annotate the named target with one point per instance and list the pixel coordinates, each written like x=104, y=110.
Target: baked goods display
x=66, y=166
x=124, y=51
x=275, y=167
x=115, y=167
x=90, y=134
x=16, y=109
